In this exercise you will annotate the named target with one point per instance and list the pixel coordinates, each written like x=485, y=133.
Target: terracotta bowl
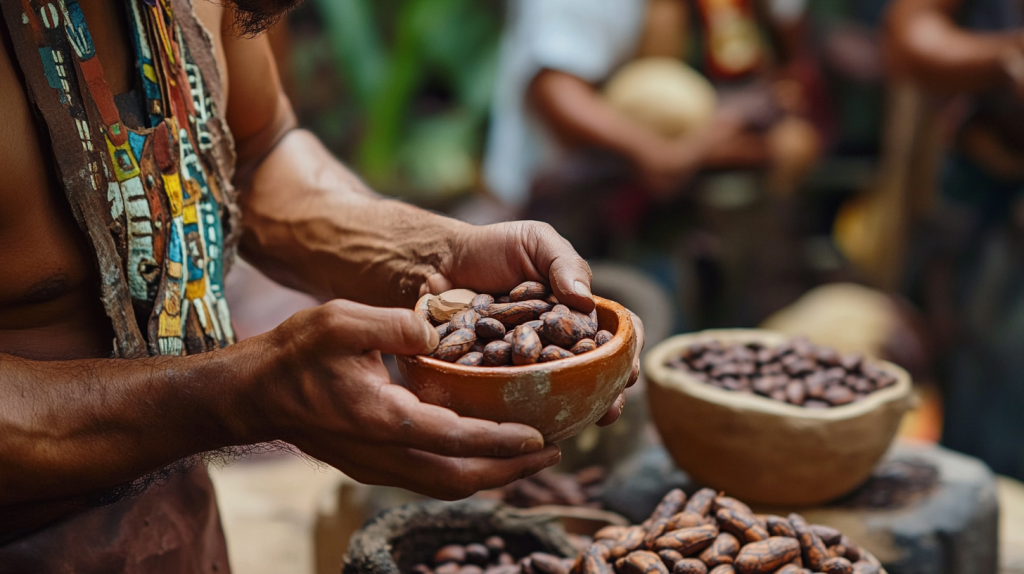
x=560, y=398
x=764, y=451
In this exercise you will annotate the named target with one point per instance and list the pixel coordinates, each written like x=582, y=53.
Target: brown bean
x=796, y=392
x=587, y=323
x=562, y=330
x=790, y=569
x=688, y=541
x=472, y=359
x=690, y=566
x=731, y=504
x=744, y=525
x=464, y=319
x=516, y=313
x=670, y=557
x=723, y=569
x=547, y=564
x=641, y=562
x=593, y=560
x=654, y=531
x=687, y=519
x=814, y=551
x=553, y=353
x=503, y=569
x=481, y=301
x=779, y=526
x=767, y=555
x=670, y=504
x=610, y=532
x=853, y=552
x=630, y=540
x=830, y=536
x=471, y=569
x=442, y=330
x=526, y=346
x=451, y=553
x=602, y=338
x=551, y=299
x=497, y=354
x=836, y=565
x=866, y=568
x=701, y=501
x=449, y=568
x=722, y=551
x=496, y=544
x=488, y=328
x=455, y=345
x=583, y=346
x=529, y=290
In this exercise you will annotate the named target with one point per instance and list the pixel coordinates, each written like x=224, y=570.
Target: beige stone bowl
x=560, y=398
x=764, y=451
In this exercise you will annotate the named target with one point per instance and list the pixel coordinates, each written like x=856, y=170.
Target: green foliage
x=420, y=74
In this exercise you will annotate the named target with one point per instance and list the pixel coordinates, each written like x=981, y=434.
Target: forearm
x=579, y=116
x=73, y=428
x=926, y=45
x=309, y=223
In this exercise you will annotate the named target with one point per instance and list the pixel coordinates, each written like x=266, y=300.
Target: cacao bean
x=723, y=569
x=670, y=504
x=503, y=299
x=641, y=562
x=529, y=290
x=471, y=569
x=481, y=301
x=853, y=553
x=497, y=354
x=670, y=557
x=583, y=346
x=701, y=501
x=487, y=328
x=690, y=566
x=551, y=299
x=450, y=553
x=547, y=564
x=722, y=551
x=687, y=519
x=449, y=568
x=553, y=353
x=465, y=319
x=516, y=313
x=630, y=540
x=455, y=345
x=536, y=325
x=744, y=525
x=830, y=536
x=688, y=541
x=602, y=338
x=836, y=565
x=562, y=330
x=472, y=359
x=588, y=325
x=767, y=555
x=789, y=569
x=508, y=338
x=526, y=346
x=442, y=330
x=814, y=551
x=779, y=526
x=610, y=532
x=495, y=544
x=866, y=568
x=654, y=531
x=730, y=503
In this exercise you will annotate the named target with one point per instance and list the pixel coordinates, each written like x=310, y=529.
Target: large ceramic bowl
x=560, y=398
x=764, y=451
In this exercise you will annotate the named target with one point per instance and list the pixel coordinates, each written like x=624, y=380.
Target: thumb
x=567, y=272
x=366, y=328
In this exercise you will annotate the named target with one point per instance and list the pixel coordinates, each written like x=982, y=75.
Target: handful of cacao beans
x=491, y=557
x=709, y=533
x=548, y=487
x=796, y=372
x=525, y=327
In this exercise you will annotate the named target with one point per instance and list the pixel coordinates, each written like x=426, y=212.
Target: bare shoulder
x=211, y=14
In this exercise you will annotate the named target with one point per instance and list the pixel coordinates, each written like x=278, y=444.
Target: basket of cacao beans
x=770, y=419
x=523, y=357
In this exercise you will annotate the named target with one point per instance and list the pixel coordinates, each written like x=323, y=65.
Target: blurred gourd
x=663, y=94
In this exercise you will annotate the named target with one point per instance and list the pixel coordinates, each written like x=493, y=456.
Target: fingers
x=567, y=272
x=365, y=328
x=641, y=340
x=406, y=421
x=613, y=413
x=441, y=477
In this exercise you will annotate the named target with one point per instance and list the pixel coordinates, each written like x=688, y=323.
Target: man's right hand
x=324, y=389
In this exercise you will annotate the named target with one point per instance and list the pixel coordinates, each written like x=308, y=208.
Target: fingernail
x=582, y=290
x=531, y=445
x=554, y=459
x=433, y=337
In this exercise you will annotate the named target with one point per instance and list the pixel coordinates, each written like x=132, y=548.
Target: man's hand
x=496, y=258
x=330, y=395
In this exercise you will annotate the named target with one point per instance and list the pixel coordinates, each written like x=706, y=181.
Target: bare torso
x=49, y=295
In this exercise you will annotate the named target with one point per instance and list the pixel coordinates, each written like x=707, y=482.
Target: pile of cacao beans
x=710, y=533
x=526, y=326
x=547, y=487
x=796, y=372
x=490, y=557
x=707, y=533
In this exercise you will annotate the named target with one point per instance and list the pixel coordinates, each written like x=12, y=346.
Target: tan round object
x=763, y=451
x=663, y=94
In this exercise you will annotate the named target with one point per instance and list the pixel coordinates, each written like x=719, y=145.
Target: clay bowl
x=560, y=398
x=763, y=451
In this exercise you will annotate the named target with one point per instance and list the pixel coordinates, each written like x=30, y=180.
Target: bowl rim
x=672, y=379
x=623, y=336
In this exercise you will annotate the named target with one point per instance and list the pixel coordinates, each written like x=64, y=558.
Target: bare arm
x=924, y=43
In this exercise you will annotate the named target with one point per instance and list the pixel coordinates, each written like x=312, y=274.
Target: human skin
x=923, y=42
x=74, y=424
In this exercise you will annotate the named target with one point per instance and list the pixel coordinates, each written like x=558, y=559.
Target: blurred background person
x=969, y=57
